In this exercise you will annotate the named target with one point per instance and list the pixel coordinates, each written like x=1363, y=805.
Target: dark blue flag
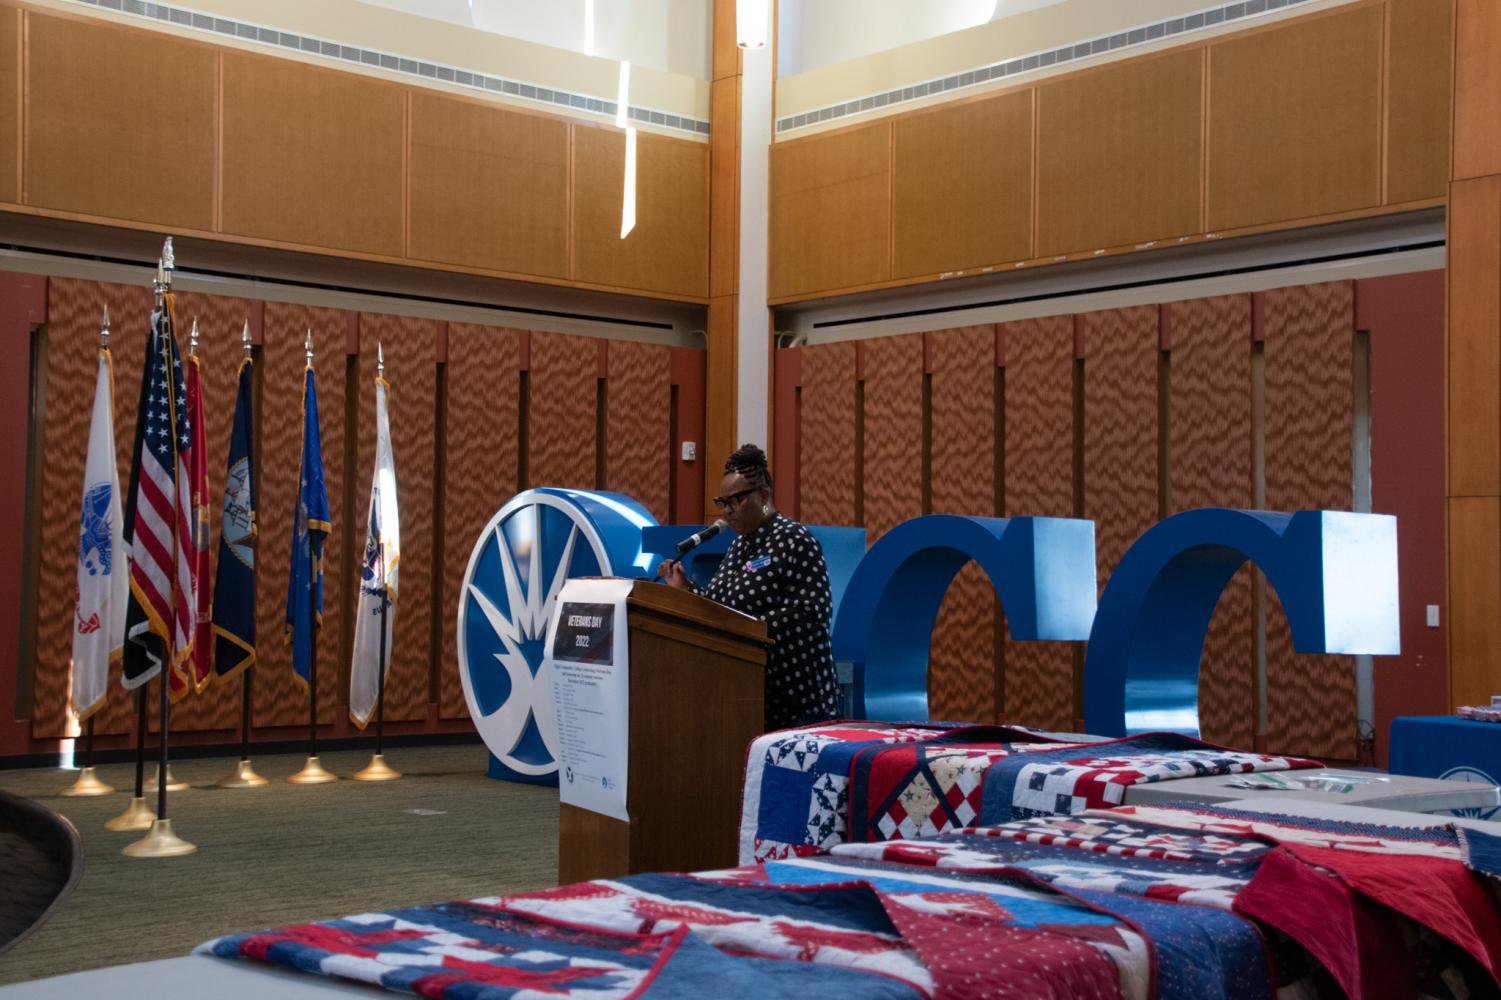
x=305, y=586
x=234, y=581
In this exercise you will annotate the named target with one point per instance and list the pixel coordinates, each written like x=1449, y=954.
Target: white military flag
x=103, y=573
x=378, y=571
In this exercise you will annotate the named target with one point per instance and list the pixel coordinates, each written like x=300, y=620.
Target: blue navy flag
x=234, y=582
x=305, y=586
x=160, y=616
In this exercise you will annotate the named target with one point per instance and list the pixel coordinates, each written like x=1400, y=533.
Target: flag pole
x=378, y=769
x=313, y=772
x=244, y=776
x=137, y=815
x=88, y=782
x=161, y=842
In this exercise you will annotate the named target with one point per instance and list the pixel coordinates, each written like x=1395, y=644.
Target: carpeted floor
x=285, y=853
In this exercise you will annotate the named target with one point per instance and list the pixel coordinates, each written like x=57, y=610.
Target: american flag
x=161, y=616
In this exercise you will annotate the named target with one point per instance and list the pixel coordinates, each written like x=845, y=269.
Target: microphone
x=694, y=541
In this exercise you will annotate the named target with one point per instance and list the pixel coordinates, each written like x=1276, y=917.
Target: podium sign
x=589, y=659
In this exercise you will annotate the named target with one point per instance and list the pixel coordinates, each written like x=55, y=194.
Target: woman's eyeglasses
x=728, y=503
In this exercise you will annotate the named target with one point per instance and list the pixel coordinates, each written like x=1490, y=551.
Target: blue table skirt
x=1442, y=746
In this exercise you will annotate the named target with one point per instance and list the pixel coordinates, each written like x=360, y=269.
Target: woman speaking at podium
x=774, y=571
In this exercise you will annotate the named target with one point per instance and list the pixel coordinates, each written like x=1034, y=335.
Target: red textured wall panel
x=1209, y=448
x=23, y=306
x=1405, y=317
x=1039, y=356
x=1120, y=349
x=561, y=421
x=479, y=471
x=280, y=699
x=1308, y=332
x=411, y=347
x=689, y=375
x=638, y=445
x=963, y=666
x=893, y=432
x=74, y=309
x=826, y=478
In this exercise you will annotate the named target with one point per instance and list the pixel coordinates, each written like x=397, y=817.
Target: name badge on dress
x=760, y=562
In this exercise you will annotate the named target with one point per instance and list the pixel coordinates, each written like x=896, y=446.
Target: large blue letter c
x=1042, y=568
x=1335, y=573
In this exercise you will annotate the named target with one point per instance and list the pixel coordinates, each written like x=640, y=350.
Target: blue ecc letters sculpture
x=1335, y=572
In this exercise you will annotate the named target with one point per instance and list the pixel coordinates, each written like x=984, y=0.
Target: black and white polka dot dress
x=778, y=575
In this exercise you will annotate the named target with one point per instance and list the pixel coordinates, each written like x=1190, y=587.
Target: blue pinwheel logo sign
x=530, y=548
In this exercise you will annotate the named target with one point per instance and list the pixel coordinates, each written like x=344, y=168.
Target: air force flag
x=311, y=527
x=379, y=565
x=103, y=574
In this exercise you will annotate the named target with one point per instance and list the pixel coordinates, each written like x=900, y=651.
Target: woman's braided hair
x=750, y=461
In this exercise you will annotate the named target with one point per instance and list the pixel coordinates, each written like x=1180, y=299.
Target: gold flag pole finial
x=380, y=360
x=193, y=339
x=308, y=346
x=245, y=338
x=104, y=328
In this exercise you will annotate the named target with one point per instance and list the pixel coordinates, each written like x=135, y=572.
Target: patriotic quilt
x=1177, y=902
x=809, y=790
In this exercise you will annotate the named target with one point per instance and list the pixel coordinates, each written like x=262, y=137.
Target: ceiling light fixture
x=750, y=23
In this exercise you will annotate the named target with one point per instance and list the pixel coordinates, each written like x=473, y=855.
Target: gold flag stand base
x=378, y=770
x=137, y=816
x=243, y=776
x=161, y=842
x=173, y=785
x=312, y=773
x=88, y=783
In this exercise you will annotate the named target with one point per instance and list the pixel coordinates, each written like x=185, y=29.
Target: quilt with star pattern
x=810, y=789
x=1176, y=902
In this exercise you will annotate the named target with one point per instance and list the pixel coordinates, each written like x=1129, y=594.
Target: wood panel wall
x=489, y=187
x=668, y=248
x=1119, y=154
x=962, y=185
x=831, y=211
x=1209, y=465
x=1473, y=359
x=1334, y=114
x=100, y=103
x=411, y=351
x=482, y=422
x=455, y=422
x=272, y=150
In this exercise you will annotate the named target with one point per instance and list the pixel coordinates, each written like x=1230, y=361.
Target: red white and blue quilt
x=808, y=790
x=1171, y=902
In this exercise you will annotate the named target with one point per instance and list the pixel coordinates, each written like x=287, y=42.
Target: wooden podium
x=697, y=670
